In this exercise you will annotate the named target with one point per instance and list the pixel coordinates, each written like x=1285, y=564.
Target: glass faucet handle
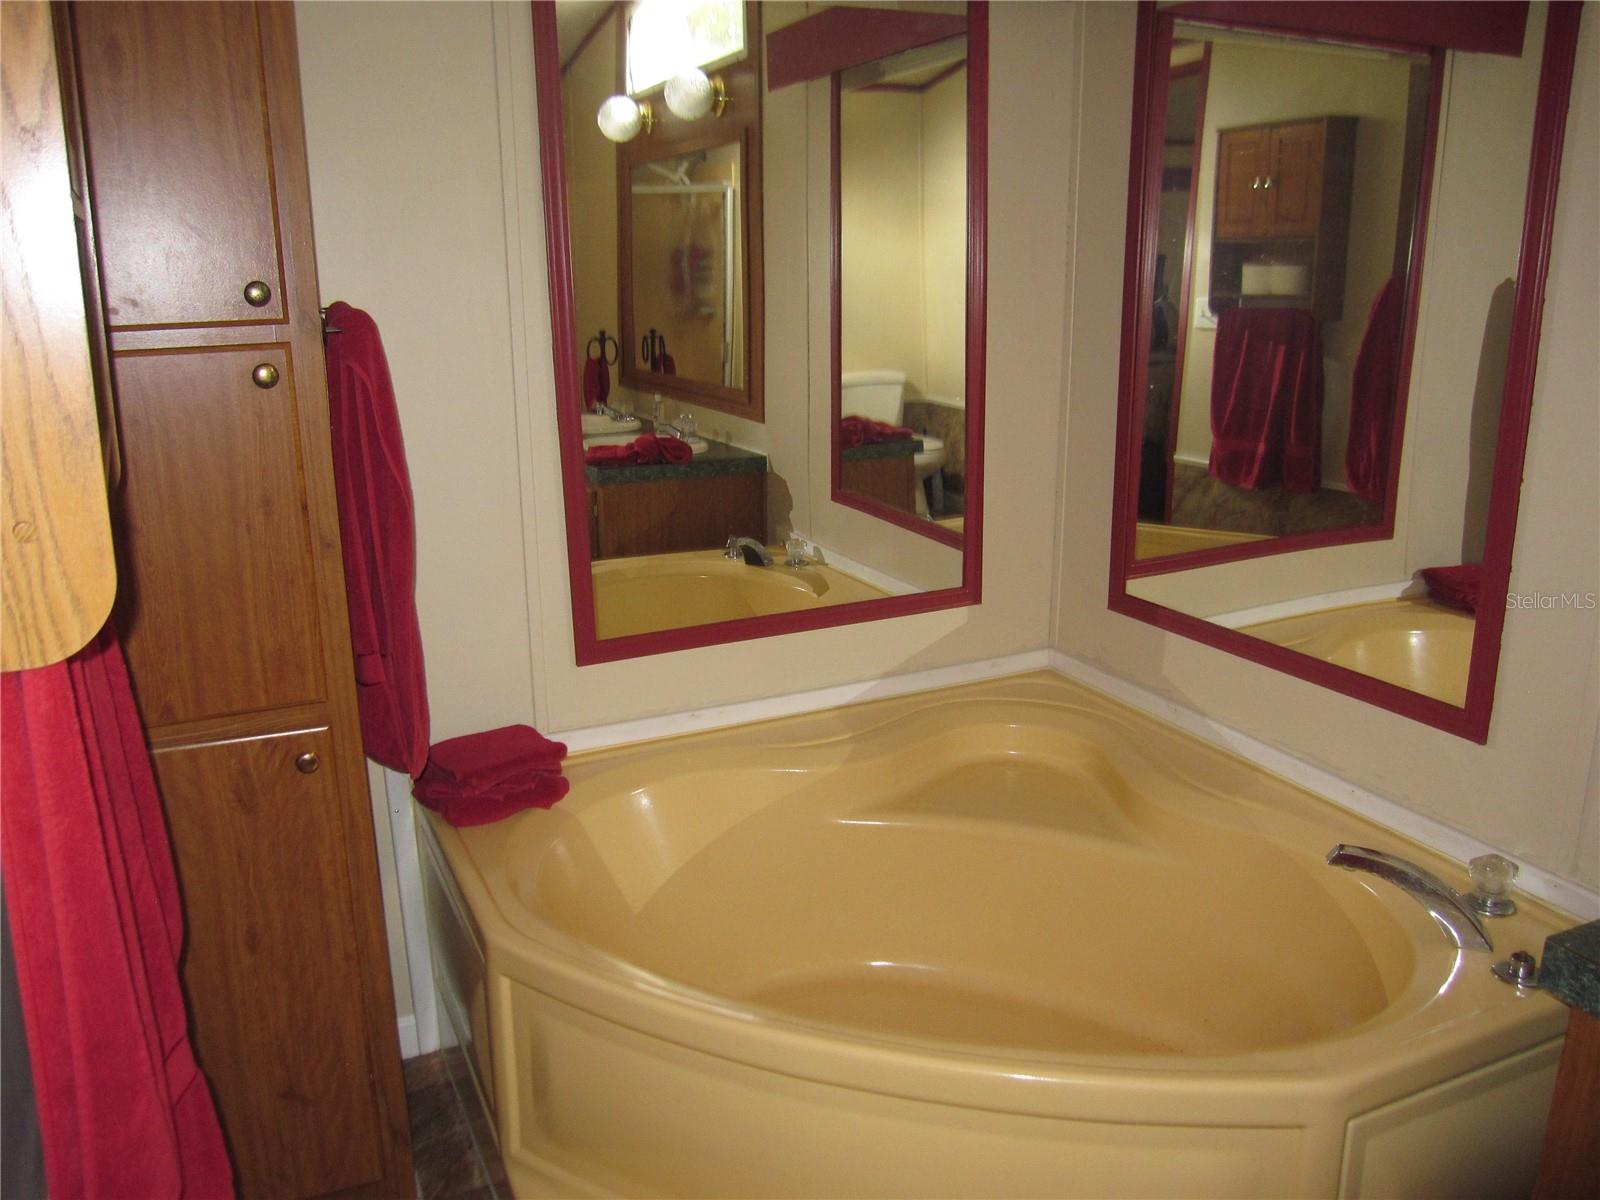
x=1491, y=882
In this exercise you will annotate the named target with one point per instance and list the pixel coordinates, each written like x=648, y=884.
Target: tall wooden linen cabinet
x=231, y=596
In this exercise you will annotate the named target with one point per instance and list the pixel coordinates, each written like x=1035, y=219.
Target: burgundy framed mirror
x=690, y=525
x=1346, y=354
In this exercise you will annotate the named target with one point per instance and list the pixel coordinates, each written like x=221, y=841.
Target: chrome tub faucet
x=752, y=551
x=1447, y=906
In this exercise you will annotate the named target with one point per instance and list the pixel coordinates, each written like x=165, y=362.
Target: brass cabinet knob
x=265, y=375
x=257, y=293
x=307, y=763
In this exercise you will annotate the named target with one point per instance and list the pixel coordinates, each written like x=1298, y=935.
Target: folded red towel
x=481, y=808
x=1456, y=587
x=858, y=431
x=482, y=760
x=645, y=450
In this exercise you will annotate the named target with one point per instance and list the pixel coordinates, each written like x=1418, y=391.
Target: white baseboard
x=645, y=729
x=409, y=1046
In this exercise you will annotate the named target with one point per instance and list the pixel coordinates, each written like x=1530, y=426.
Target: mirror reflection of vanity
x=715, y=489
x=1329, y=337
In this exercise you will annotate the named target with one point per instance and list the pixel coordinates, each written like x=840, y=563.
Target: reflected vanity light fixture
x=691, y=94
x=622, y=118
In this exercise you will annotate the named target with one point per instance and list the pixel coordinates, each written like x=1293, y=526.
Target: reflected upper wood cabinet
x=1283, y=192
x=231, y=604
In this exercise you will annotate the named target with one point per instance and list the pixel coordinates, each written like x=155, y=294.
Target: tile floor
x=452, y=1149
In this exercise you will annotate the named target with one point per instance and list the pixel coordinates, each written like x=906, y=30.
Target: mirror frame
x=741, y=126
x=976, y=30
x=1491, y=28
x=587, y=648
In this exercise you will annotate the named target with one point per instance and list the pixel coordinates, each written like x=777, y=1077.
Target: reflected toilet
x=880, y=396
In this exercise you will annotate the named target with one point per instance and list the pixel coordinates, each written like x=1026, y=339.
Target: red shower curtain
x=1266, y=399
x=92, y=898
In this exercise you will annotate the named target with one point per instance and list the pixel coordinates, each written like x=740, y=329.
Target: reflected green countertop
x=904, y=448
x=1570, y=970
x=718, y=458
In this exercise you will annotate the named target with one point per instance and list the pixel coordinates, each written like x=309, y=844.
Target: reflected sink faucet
x=752, y=551
x=1443, y=902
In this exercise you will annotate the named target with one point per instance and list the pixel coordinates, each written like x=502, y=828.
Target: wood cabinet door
x=1295, y=197
x=271, y=967
x=218, y=605
x=1241, y=171
x=175, y=114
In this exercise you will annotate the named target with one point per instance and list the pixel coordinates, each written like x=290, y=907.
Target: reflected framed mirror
x=1330, y=326
x=683, y=254
x=903, y=331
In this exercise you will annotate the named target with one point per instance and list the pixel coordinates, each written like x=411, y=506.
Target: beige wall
x=944, y=220
x=1530, y=790
x=592, y=188
x=882, y=318
x=412, y=111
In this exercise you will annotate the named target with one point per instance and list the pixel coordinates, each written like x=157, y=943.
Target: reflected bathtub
x=669, y=591
x=1006, y=939
x=1154, y=540
x=1411, y=642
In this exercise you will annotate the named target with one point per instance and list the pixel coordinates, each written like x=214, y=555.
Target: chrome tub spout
x=1443, y=902
x=752, y=551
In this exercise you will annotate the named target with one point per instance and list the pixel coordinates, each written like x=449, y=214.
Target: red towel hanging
x=1374, y=387
x=97, y=927
x=379, y=541
x=1266, y=399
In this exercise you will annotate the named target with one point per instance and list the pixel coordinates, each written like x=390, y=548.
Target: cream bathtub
x=1411, y=642
x=669, y=591
x=1009, y=939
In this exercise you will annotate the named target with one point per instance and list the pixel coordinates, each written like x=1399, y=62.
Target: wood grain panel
x=1569, y=1164
x=58, y=569
x=272, y=980
x=219, y=604
x=1295, y=198
x=180, y=161
x=668, y=515
x=890, y=480
x=1241, y=163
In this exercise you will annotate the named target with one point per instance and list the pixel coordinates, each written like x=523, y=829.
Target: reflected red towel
x=1456, y=587
x=485, y=759
x=858, y=431
x=596, y=383
x=97, y=927
x=493, y=804
x=1374, y=386
x=645, y=450
x=1266, y=399
x=378, y=543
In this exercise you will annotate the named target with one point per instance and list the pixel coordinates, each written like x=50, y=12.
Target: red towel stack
x=645, y=450
x=860, y=431
x=1457, y=586
x=484, y=777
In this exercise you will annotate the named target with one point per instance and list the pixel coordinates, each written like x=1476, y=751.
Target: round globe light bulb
x=690, y=94
x=621, y=118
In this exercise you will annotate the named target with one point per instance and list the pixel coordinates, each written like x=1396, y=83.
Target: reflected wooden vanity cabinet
x=231, y=604
x=664, y=516
x=1283, y=196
